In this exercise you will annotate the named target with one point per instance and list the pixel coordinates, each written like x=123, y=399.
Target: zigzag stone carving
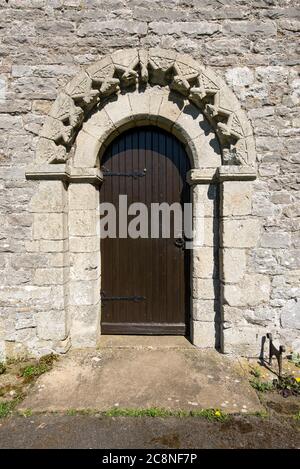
x=127, y=69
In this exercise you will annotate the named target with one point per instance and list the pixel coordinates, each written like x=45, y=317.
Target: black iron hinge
x=135, y=173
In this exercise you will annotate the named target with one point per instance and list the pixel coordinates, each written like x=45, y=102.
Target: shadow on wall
x=216, y=273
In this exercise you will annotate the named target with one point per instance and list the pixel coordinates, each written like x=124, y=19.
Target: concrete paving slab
x=143, y=377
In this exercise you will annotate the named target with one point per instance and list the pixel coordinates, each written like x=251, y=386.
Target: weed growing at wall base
x=209, y=414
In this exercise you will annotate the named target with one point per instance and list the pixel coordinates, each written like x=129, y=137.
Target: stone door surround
x=125, y=89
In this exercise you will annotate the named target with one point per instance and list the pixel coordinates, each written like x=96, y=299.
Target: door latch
x=179, y=243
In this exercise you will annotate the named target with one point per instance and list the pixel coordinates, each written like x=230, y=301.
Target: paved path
x=57, y=431
x=168, y=373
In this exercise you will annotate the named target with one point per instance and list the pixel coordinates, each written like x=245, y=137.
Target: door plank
x=152, y=268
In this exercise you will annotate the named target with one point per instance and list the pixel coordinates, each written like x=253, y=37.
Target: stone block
x=272, y=74
x=205, y=196
x=262, y=206
x=51, y=325
x=206, y=149
x=2, y=89
x=275, y=239
x=258, y=316
x=32, y=246
x=59, y=297
x=114, y=28
x=204, y=334
x=242, y=340
x=83, y=197
x=206, y=231
x=261, y=316
x=56, y=245
x=28, y=261
x=2, y=351
x=50, y=197
x=85, y=328
x=84, y=293
x=236, y=198
x=82, y=223
x=233, y=264
x=290, y=314
x=253, y=290
x=168, y=113
x=140, y=104
x=119, y=111
x=85, y=266
x=205, y=310
x=240, y=76
x=25, y=336
x=292, y=261
x=50, y=276
x=155, y=102
x=10, y=123
x=239, y=233
x=58, y=259
x=245, y=28
x=100, y=125
x=87, y=149
x=204, y=263
x=195, y=28
x=282, y=197
x=204, y=289
x=25, y=319
x=49, y=226
x=293, y=210
x=84, y=244
x=233, y=316
x=262, y=112
x=190, y=123
x=35, y=88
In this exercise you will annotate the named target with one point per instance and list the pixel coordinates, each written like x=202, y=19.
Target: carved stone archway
x=126, y=70
x=127, y=88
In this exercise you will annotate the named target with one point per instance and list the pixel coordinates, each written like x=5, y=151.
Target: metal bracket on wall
x=273, y=351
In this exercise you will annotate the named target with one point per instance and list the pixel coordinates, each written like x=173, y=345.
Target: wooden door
x=145, y=281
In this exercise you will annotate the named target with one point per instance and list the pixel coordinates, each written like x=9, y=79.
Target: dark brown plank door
x=145, y=281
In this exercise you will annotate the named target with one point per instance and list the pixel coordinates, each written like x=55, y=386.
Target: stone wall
x=45, y=43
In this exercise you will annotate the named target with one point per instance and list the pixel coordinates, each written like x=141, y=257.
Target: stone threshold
x=144, y=341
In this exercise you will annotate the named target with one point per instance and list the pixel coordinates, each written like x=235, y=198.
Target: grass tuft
x=34, y=370
x=26, y=413
x=209, y=414
x=261, y=413
x=295, y=359
x=297, y=416
x=261, y=386
x=256, y=372
x=7, y=407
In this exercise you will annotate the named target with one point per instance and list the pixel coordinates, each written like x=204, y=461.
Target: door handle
x=179, y=243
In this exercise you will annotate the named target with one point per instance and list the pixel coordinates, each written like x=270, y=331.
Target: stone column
x=84, y=286
x=238, y=233
x=204, y=275
x=50, y=239
x=66, y=230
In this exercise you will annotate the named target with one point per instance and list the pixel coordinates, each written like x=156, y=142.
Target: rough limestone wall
x=252, y=44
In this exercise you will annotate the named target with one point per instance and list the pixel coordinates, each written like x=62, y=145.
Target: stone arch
x=128, y=88
x=152, y=107
x=130, y=69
